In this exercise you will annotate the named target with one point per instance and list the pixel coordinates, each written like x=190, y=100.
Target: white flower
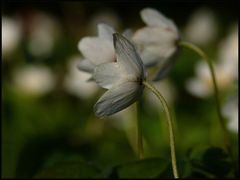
x=158, y=40
x=76, y=82
x=122, y=78
x=226, y=69
x=34, y=80
x=230, y=110
x=97, y=50
x=228, y=53
x=202, y=85
x=202, y=27
x=11, y=34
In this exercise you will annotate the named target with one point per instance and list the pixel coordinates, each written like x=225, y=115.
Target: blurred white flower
x=122, y=78
x=226, y=69
x=43, y=32
x=228, y=53
x=11, y=34
x=34, y=79
x=202, y=85
x=230, y=110
x=76, y=82
x=202, y=27
x=158, y=40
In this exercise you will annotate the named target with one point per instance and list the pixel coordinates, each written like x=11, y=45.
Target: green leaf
x=217, y=161
x=109, y=172
x=147, y=168
x=69, y=170
x=210, y=162
x=184, y=169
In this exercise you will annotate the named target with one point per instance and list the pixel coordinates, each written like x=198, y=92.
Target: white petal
x=155, y=36
x=97, y=50
x=128, y=57
x=155, y=44
x=156, y=55
x=118, y=98
x=105, y=32
x=153, y=17
x=108, y=74
x=86, y=66
x=127, y=33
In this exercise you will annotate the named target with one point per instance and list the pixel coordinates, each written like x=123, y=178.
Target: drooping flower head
x=157, y=42
x=122, y=78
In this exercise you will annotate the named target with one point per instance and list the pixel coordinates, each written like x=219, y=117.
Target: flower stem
x=220, y=116
x=170, y=126
x=139, y=131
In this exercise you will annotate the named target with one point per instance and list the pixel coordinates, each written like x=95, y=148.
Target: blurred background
x=47, y=113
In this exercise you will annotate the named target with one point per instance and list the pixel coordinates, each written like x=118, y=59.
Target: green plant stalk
x=139, y=132
x=170, y=126
x=226, y=139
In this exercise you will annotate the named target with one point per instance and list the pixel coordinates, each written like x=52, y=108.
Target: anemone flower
x=123, y=78
x=157, y=42
x=125, y=81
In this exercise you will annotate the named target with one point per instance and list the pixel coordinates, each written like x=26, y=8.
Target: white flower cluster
x=117, y=62
x=120, y=63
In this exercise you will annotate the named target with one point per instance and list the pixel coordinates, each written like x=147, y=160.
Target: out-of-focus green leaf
x=109, y=172
x=147, y=168
x=210, y=162
x=184, y=169
x=217, y=161
x=69, y=170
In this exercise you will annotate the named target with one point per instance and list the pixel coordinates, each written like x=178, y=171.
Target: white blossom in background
x=76, y=82
x=11, y=35
x=202, y=86
x=122, y=78
x=33, y=80
x=230, y=111
x=157, y=41
x=228, y=53
x=202, y=27
x=226, y=69
x=43, y=32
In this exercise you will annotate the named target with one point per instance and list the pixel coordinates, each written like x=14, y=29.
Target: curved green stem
x=221, y=119
x=170, y=126
x=139, y=132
